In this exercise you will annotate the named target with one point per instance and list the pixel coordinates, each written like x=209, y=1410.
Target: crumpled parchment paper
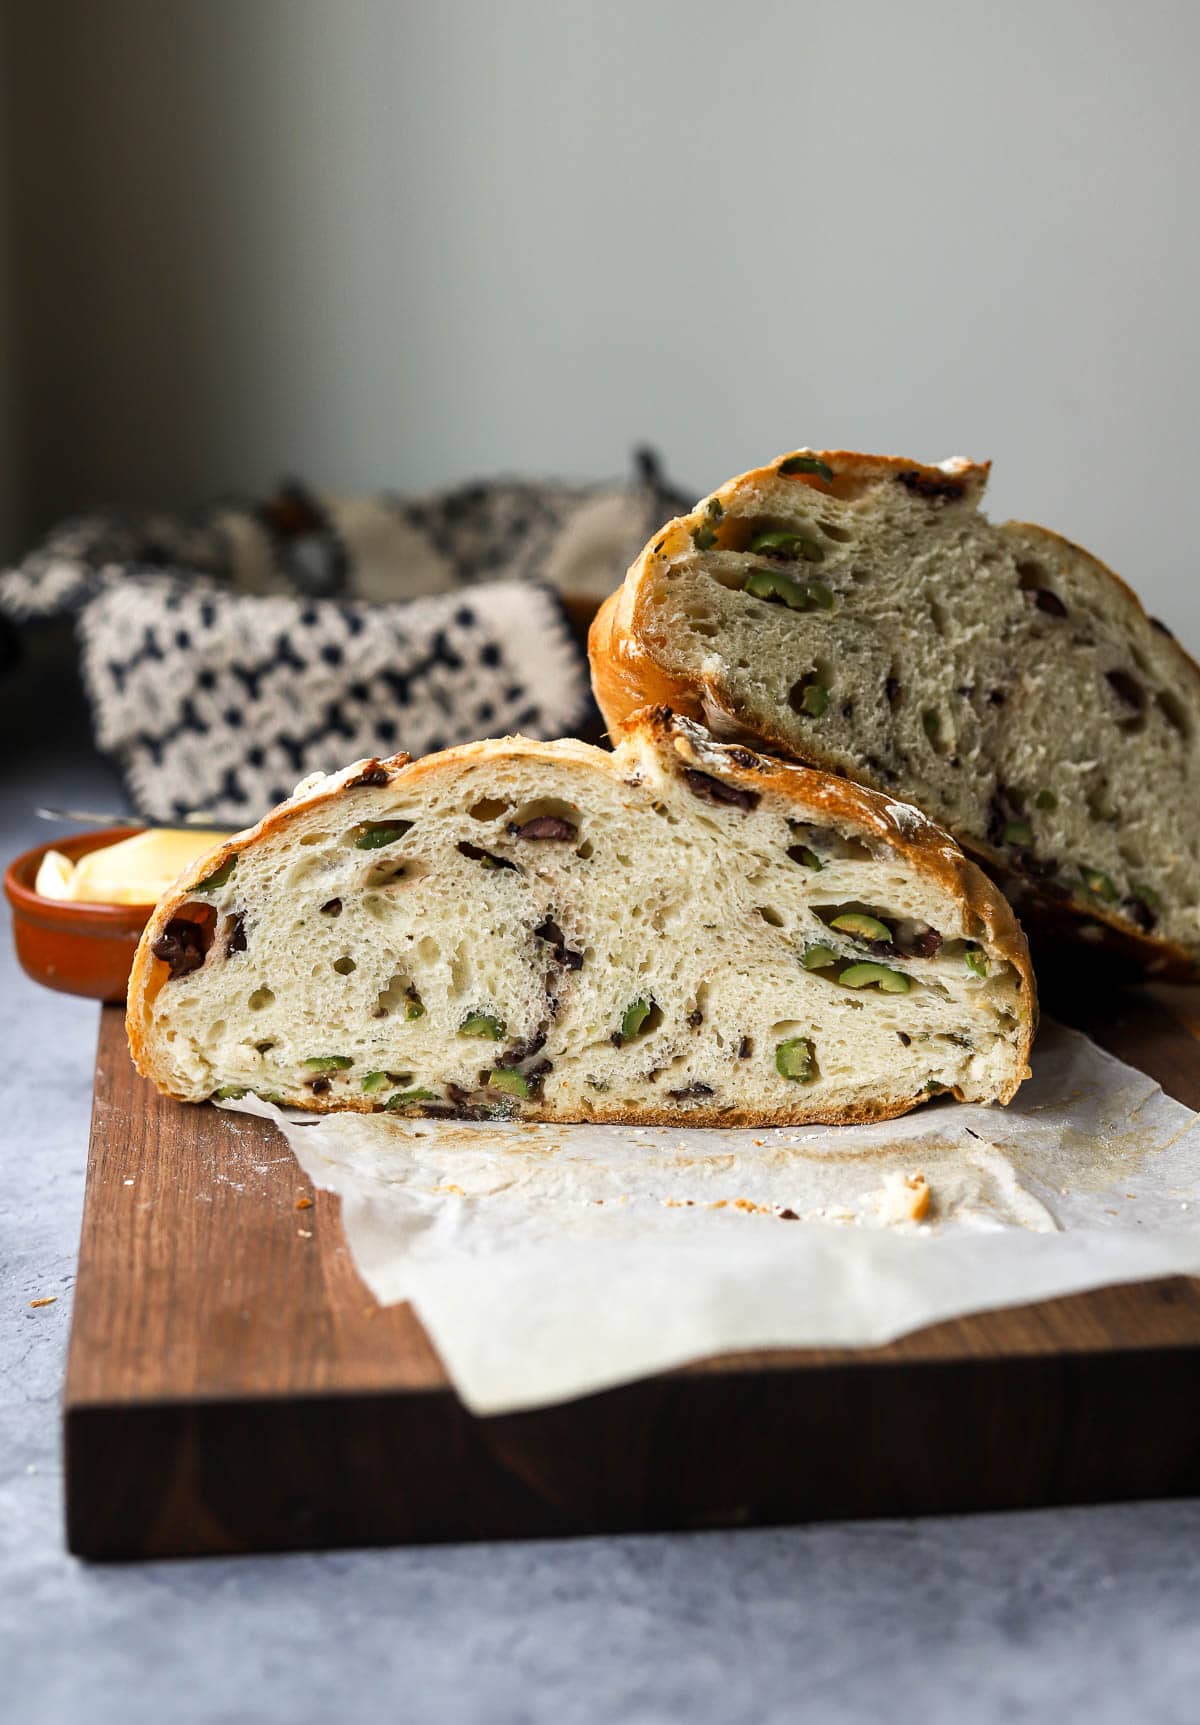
x=548, y=1262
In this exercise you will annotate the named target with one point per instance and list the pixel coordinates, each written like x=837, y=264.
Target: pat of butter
x=132, y=871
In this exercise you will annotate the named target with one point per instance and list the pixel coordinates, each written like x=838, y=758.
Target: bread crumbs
x=904, y=1198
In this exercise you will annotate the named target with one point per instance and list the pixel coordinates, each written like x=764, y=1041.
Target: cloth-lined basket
x=229, y=652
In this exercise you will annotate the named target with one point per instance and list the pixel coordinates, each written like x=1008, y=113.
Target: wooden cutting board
x=232, y=1385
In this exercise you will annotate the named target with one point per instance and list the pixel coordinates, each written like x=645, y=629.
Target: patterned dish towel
x=230, y=653
x=220, y=702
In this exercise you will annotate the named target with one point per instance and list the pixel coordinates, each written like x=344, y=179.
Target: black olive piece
x=184, y=943
x=375, y=775
x=545, y=827
x=716, y=791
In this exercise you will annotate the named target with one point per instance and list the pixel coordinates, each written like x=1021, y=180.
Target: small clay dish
x=77, y=948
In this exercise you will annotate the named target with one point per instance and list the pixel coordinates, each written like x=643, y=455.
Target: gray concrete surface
x=1072, y=1615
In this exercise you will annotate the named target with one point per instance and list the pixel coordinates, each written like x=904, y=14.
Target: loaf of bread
x=679, y=931
x=858, y=613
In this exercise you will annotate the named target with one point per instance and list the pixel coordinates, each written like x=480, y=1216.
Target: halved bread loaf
x=674, y=931
x=860, y=614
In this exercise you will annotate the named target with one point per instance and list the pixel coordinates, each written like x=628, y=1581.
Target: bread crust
x=626, y=677
x=987, y=915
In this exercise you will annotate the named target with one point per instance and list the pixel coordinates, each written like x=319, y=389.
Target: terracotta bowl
x=77, y=948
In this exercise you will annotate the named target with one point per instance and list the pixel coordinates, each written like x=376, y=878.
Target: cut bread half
x=860, y=614
x=677, y=931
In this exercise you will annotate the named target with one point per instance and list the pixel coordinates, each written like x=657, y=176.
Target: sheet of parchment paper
x=548, y=1262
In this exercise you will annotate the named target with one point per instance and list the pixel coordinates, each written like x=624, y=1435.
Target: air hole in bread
x=314, y=838
x=738, y=530
x=1034, y=579
x=865, y=926
x=851, y=849
x=584, y=851
x=489, y=859
x=302, y=870
x=378, y=906
x=345, y=965
x=770, y=915
x=831, y=530
x=260, y=999
x=395, y=996
x=1099, y=803
x=428, y=950
x=460, y=973
x=801, y=544
x=698, y=1007
x=546, y=820
x=390, y=872
x=937, y=731
x=824, y=844
x=809, y=695
x=635, y=1025
x=489, y=808
x=1174, y=712
x=937, y=616
x=1130, y=694
x=379, y=835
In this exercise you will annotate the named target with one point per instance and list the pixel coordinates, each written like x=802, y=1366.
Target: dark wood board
x=232, y=1385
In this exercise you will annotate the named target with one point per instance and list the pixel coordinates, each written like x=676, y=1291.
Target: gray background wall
x=401, y=243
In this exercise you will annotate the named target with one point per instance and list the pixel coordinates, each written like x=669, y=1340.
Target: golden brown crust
x=858, y=1114
x=987, y=915
x=626, y=676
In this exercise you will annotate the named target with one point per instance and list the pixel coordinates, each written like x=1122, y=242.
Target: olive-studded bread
x=677, y=931
x=860, y=614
